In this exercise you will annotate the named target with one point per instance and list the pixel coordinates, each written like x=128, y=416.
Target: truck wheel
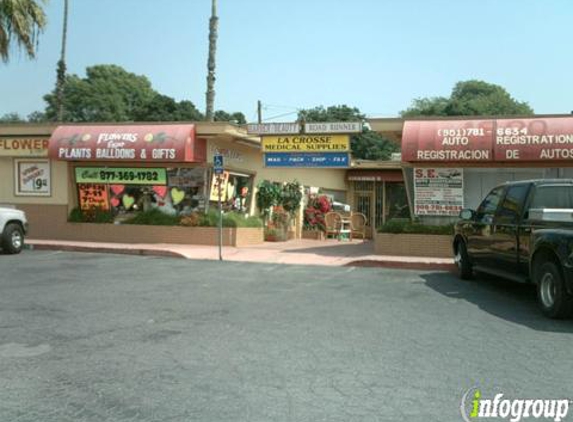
x=553, y=298
x=12, y=239
x=462, y=260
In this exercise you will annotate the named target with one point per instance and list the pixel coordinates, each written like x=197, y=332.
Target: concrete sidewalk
x=301, y=252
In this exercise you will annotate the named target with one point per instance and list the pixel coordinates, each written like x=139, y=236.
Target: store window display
x=182, y=194
x=235, y=191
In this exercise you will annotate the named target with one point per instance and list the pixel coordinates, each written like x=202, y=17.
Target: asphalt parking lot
x=95, y=337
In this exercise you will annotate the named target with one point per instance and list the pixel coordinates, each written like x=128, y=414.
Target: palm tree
x=209, y=112
x=61, y=72
x=22, y=21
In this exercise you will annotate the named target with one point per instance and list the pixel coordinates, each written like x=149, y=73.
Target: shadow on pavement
x=513, y=302
x=336, y=248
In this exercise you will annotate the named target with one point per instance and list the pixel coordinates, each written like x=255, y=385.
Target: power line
x=281, y=115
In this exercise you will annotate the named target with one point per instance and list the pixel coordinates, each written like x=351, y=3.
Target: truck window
x=512, y=204
x=553, y=196
x=487, y=208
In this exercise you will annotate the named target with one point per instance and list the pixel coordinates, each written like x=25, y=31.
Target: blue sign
x=307, y=159
x=218, y=164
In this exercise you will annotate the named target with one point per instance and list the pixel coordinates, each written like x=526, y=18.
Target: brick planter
x=49, y=222
x=132, y=233
x=427, y=245
x=313, y=234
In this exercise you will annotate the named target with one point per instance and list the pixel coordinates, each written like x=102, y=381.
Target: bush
x=275, y=235
x=415, y=228
x=94, y=215
x=191, y=220
x=153, y=217
x=231, y=219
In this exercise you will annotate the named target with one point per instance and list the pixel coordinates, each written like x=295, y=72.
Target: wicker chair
x=358, y=223
x=332, y=223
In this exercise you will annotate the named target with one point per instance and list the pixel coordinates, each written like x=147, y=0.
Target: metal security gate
x=380, y=201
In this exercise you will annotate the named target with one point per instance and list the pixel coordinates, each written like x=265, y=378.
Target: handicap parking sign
x=218, y=163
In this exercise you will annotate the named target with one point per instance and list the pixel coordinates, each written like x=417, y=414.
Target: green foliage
x=401, y=226
x=268, y=195
x=90, y=216
x=291, y=196
x=107, y=93
x=236, y=118
x=239, y=220
x=371, y=146
x=162, y=108
x=432, y=106
x=11, y=118
x=275, y=235
x=153, y=217
x=21, y=21
x=231, y=219
x=470, y=98
x=338, y=113
x=37, y=117
x=367, y=145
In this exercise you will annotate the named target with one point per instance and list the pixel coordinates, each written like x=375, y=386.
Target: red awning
x=375, y=175
x=130, y=143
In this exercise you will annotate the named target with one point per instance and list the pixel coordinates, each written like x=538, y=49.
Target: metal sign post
x=218, y=168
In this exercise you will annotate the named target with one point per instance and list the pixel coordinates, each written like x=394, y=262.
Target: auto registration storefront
x=453, y=164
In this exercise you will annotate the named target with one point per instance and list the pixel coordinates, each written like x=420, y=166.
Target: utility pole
x=61, y=70
x=259, y=112
x=210, y=95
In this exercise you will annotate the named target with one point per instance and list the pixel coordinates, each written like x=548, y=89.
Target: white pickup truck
x=13, y=228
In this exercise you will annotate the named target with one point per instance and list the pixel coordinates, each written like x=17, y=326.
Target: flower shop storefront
x=142, y=179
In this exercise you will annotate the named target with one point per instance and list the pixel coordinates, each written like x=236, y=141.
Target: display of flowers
x=318, y=206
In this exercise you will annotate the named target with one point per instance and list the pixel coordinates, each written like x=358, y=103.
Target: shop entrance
x=380, y=201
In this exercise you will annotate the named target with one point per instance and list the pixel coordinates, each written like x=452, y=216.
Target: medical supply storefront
x=452, y=164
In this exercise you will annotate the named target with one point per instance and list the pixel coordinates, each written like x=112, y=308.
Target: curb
x=372, y=263
x=366, y=263
x=73, y=248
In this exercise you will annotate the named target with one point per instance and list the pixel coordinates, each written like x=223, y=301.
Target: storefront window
x=182, y=190
x=396, y=201
x=236, y=191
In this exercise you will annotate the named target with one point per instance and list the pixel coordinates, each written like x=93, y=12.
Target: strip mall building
x=446, y=165
x=49, y=170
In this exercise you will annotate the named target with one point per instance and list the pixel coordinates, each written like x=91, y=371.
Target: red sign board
x=130, y=143
x=534, y=139
x=448, y=141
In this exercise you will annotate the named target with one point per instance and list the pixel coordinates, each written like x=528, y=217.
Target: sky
x=376, y=55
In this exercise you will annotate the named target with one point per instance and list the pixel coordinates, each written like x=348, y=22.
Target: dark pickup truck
x=523, y=231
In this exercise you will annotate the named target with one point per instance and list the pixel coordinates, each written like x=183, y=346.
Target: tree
x=22, y=21
x=237, y=117
x=37, y=117
x=61, y=68
x=433, y=106
x=108, y=93
x=470, y=98
x=367, y=145
x=11, y=118
x=162, y=108
x=210, y=95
